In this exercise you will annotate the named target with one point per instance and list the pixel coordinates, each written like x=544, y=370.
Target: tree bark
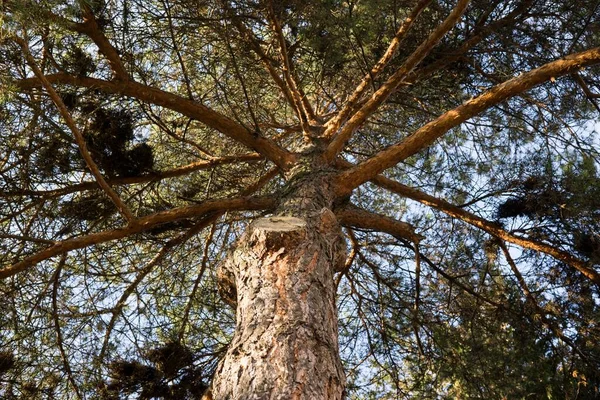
x=280, y=276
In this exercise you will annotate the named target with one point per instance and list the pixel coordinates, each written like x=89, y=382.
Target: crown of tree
x=299, y=199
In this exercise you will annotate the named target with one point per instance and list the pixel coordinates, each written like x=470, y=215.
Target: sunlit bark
x=280, y=277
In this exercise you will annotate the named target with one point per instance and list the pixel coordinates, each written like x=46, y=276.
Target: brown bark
x=354, y=217
x=281, y=278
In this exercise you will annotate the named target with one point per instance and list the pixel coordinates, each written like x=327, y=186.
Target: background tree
x=411, y=190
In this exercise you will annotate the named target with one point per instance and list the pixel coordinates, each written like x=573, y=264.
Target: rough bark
x=281, y=278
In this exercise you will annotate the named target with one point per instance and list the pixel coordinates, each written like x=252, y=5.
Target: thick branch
x=426, y=135
x=393, y=82
x=354, y=217
x=144, y=224
x=177, y=103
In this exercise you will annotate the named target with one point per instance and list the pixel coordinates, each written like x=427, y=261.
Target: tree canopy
x=460, y=139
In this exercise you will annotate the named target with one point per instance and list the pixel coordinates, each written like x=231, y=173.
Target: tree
x=295, y=199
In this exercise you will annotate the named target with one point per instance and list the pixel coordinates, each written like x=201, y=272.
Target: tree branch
x=354, y=217
x=187, y=107
x=57, y=327
x=90, y=28
x=146, y=269
x=533, y=301
x=208, y=219
x=299, y=104
x=144, y=224
x=153, y=177
x=488, y=226
x=586, y=89
x=479, y=34
x=427, y=134
x=255, y=45
x=381, y=95
x=78, y=135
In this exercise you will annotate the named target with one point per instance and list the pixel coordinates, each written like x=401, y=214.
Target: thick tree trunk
x=281, y=276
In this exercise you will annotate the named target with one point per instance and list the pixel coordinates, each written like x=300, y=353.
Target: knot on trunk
x=334, y=239
x=273, y=233
x=226, y=284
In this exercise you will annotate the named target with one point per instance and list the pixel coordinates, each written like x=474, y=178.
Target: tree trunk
x=281, y=275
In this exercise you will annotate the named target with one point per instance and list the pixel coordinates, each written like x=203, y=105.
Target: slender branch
x=427, y=134
x=29, y=238
x=585, y=87
x=381, y=95
x=354, y=217
x=153, y=177
x=415, y=319
x=199, y=276
x=588, y=93
x=336, y=122
x=76, y=132
x=146, y=269
x=144, y=224
x=187, y=107
x=172, y=34
x=209, y=218
x=529, y=295
x=479, y=34
x=55, y=317
x=454, y=280
x=241, y=79
x=255, y=45
x=488, y=226
x=287, y=71
x=350, y=258
x=156, y=119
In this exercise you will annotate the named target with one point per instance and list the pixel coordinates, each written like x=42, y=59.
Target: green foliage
x=108, y=138
x=172, y=375
x=91, y=322
x=569, y=204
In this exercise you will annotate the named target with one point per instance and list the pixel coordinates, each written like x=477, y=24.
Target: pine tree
x=299, y=199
